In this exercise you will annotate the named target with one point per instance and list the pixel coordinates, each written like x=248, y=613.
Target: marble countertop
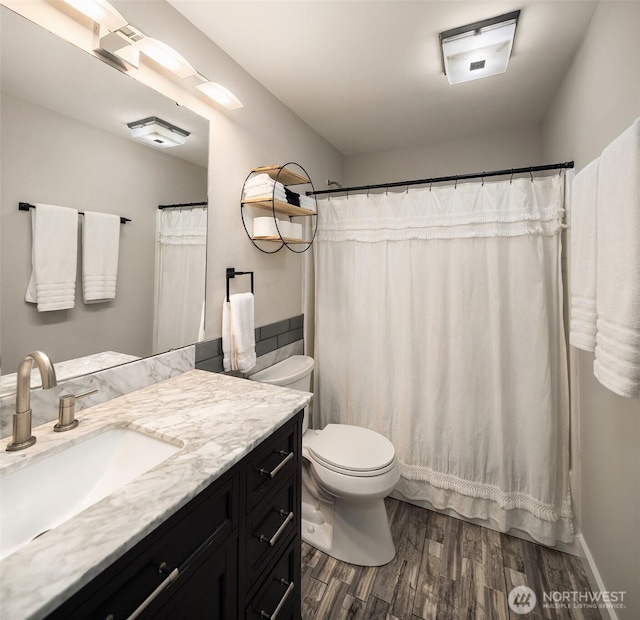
x=69, y=369
x=219, y=419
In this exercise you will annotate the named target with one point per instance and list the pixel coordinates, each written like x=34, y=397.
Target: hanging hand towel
x=584, y=258
x=100, y=244
x=238, y=333
x=54, y=258
x=617, y=353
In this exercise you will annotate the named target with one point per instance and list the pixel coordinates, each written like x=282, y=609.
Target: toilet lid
x=352, y=448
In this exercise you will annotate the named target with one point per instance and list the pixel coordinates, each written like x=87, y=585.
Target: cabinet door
x=206, y=589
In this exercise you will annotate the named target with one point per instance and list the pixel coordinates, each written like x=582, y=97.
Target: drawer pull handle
x=283, y=600
x=272, y=541
x=273, y=473
x=173, y=575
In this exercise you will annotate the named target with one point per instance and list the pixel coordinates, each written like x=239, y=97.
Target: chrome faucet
x=22, y=437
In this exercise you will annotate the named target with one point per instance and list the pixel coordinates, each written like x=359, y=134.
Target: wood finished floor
x=444, y=569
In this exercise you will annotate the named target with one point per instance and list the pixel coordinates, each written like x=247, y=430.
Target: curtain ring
x=482, y=177
x=347, y=192
x=407, y=190
x=368, y=191
x=456, y=183
x=431, y=186
x=511, y=179
x=531, y=173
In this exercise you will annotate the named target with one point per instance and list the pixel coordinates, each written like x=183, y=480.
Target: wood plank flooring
x=444, y=569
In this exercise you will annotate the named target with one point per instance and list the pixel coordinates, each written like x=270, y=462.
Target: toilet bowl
x=347, y=472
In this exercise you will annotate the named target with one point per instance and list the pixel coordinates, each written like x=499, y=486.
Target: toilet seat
x=351, y=450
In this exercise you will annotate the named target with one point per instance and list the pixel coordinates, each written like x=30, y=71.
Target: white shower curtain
x=181, y=247
x=439, y=325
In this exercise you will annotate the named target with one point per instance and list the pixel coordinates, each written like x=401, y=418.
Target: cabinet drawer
x=273, y=462
x=279, y=592
x=271, y=524
x=205, y=522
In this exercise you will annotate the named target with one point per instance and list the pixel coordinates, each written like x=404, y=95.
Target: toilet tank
x=294, y=373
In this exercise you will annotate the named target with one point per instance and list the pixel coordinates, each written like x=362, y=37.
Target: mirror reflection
x=65, y=142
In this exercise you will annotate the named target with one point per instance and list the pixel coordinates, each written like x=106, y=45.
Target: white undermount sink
x=50, y=490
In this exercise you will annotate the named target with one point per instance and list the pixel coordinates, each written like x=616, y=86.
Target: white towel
x=259, y=179
x=617, y=353
x=266, y=188
x=238, y=333
x=307, y=202
x=54, y=258
x=100, y=244
x=584, y=258
x=260, y=191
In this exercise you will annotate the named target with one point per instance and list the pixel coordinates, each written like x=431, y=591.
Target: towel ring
x=232, y=273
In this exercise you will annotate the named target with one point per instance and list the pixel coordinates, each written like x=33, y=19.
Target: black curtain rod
x=25, y=206
x=184, y=205
x=457, y=177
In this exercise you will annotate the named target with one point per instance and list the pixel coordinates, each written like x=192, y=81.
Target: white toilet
x=347, y=473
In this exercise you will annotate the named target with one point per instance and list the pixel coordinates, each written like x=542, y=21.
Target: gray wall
x=51, y=158
x=264, y=132
x=599, y=98
x=484, y=151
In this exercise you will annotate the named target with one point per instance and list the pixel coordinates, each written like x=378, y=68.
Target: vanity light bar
x=123, y=44
x=220, y=94
x=166, y=56
x=99, y=11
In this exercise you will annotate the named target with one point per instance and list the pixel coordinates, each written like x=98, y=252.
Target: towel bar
x=25, y=206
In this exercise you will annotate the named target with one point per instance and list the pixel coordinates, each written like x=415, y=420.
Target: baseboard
x=593, y=575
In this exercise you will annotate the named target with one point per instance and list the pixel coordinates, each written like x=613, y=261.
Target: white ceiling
x=41, y=68
x=366, y=74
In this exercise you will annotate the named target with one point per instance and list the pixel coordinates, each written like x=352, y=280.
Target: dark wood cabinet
x=233, y=549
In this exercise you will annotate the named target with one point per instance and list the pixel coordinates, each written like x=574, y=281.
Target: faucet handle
x=67, y=410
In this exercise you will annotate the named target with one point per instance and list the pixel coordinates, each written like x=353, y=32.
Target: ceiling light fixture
x=220, y=94
x=158, y=133
x=101, y=12
x=478, y=50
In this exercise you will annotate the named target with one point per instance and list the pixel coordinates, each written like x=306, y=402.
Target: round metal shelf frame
x=274, y=211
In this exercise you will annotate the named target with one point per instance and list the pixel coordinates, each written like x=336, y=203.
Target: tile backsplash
x=274, y=342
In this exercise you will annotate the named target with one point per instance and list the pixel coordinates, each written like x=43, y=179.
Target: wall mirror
x=65, y=141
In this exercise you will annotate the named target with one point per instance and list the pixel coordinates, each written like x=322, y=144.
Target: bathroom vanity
x=212, y=531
